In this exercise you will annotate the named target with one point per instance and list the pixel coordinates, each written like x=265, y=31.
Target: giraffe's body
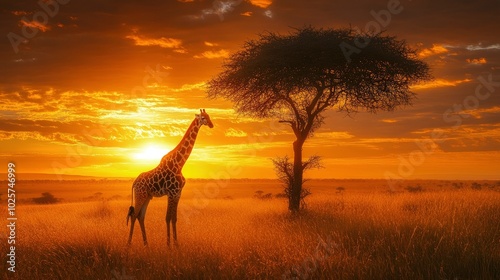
x=165, y=179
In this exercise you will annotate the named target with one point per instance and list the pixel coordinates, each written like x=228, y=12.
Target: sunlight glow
x=151, y=152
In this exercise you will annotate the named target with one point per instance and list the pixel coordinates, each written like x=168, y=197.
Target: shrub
x=340, y=190
x=476, y=186
x=281, y=195
x=415, y=189
x=46, y=198
x=261, y=195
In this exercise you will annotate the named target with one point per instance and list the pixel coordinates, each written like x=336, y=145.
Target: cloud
x=20, y=13
x=389, y=121
x=35, y=24
x=231, y=132
x=210, y=44
x=261, y=3
x=334, y=135
x=213, y=54
x=190, y=87
x=434, y=50
x=220, y=8
x=478, y=113
x=168, y=43
x=59, y=131
x=437, y=83
x=222, y=53
x=481, y=47
x=476, y=61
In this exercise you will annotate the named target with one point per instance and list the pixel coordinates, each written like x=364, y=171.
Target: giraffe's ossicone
x=165, y=179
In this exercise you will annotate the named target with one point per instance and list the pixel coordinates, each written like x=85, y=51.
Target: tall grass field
x=349, y=229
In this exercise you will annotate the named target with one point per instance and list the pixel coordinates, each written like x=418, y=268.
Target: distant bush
x=494, y=186
x=95, y=196
x=281, y=195
x=340, y=190
x=46, y=198
x=476, y=186
x=261, y=195
x=415, y=189
x=267, y=196
x=258, y=194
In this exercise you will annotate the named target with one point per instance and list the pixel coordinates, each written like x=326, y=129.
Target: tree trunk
x=294, y=200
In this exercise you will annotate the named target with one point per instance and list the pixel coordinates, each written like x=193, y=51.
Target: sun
x=151, y=152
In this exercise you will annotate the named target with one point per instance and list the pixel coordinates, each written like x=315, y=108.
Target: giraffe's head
x=205, y=118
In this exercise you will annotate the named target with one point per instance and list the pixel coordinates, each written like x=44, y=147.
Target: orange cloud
x=389, y=121
x=20, y=13
x=440, y=83
x=189, y=87
x=247, y=14
x=476, y=61
x=477, y=113
x=261, y=3
x=334, y=135
x=231, y=132
x=35, y=24
x=213, y=54
x=210, y=44
x=436, y=49
x=168, y=43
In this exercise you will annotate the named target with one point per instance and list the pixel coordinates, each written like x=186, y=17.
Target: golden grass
x=439, y=234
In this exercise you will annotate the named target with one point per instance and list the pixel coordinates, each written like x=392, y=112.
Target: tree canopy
x=295, y=77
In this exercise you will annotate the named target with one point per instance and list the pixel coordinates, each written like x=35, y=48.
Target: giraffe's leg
x=134, y=212
x=174, y=221
x=172, y=218
x=131, y=229
x=141, y=216
x=167, y=220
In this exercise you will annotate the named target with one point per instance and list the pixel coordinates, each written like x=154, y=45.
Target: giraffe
x=165, y=179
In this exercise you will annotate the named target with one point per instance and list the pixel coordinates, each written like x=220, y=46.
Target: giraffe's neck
x=184, y=148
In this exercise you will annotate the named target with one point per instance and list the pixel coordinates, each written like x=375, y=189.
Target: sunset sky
x=104, y=88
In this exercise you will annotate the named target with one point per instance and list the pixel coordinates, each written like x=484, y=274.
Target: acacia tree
x=298, y=76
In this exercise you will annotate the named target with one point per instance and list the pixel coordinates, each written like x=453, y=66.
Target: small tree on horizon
x=284, y=170
x=297, y=77
x=46, y=198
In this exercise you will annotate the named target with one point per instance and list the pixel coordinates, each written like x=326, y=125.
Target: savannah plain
x=350, y=229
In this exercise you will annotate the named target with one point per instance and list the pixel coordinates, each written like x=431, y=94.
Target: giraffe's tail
x=130, y=213
x=131, y=208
